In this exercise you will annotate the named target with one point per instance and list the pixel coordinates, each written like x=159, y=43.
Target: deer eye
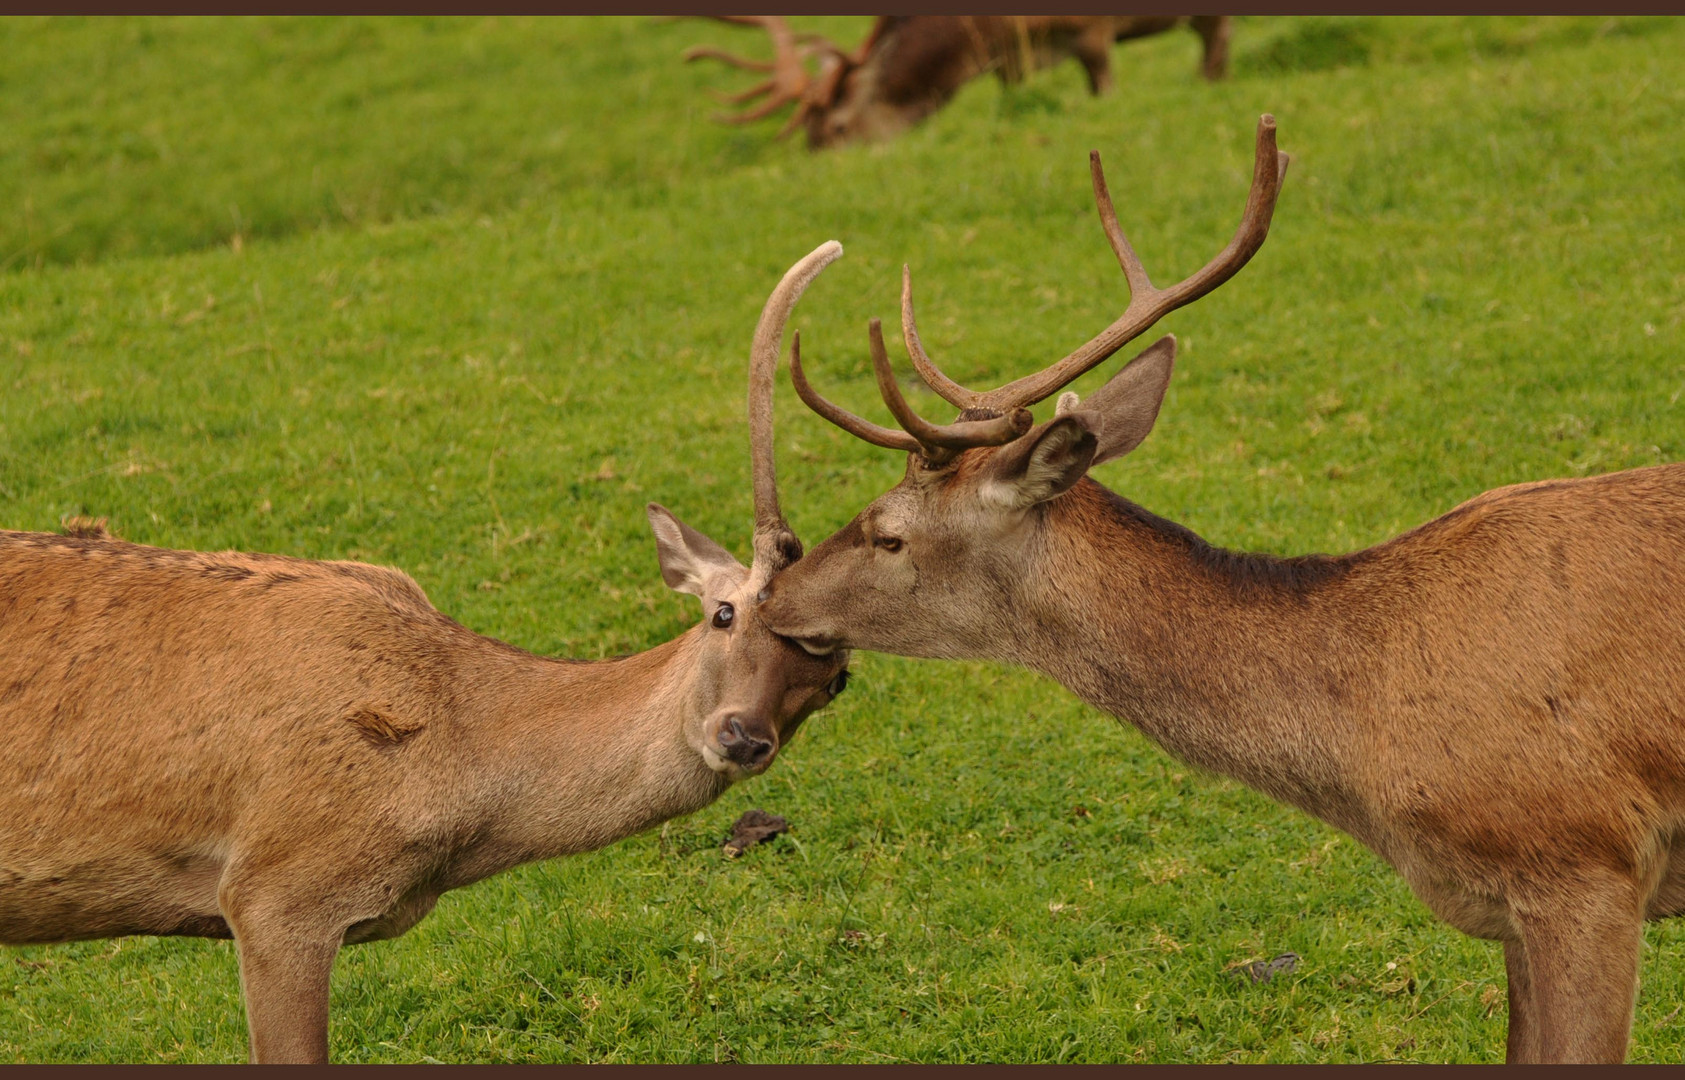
x=888, y=543
x=722, y=618
x=838, y=684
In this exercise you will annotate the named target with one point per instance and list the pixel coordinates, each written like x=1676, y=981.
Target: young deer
x=909, y=66
x=302, y=755
x=1494, y=701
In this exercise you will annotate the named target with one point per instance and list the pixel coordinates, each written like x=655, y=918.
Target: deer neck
x=578, y=755
x=1240, y=664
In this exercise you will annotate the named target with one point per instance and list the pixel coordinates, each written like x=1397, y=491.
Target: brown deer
x=1494, y=701
x=909, y=66
x=302, y=755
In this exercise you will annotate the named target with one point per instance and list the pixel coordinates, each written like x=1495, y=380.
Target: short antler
x=1147, y=305
x=776, y=544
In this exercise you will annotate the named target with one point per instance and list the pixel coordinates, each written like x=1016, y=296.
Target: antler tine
x=860, y=428
x=1133, y=272
x=1147, y=304
x=939, y=443
x=949, y=390
x=708, y=52
x=744, y=96
x=775, y=544
x=759, y=112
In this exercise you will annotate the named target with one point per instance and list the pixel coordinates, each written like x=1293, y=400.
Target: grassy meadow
x=460, y=296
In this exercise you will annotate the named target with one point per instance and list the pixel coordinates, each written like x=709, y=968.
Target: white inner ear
x=691, y=562
x=1049, y=470
x=1049, y=462
x=1000, y=494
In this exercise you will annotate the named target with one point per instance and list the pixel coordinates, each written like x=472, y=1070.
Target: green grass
x=493, y=291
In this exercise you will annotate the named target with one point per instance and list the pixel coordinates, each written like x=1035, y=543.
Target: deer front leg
x=287, y=944
x=285, y=983
x=1521, y=1047
x=1213, y=31
x=1094, y=52
x=1581, y=960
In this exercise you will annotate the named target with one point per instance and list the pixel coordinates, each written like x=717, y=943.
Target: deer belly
x=409, y=910
x=1668, y=899
x=42, y=901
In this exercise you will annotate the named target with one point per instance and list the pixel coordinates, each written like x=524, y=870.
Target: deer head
x=928, y=568
x=754, y=687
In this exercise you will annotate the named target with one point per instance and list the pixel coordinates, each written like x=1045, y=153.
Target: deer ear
x=1042, y=464
x=690, y=562
x=1123, y=411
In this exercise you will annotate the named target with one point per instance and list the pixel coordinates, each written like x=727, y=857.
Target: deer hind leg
x=1521, y=1047
x=1581, y=964
x=1213, y=31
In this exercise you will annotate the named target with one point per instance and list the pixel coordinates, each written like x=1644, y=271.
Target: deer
x=302, y=755
x=909, y=66
x=1493, y=702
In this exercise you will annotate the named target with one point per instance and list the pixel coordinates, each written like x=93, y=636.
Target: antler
x=776, y=545
x=936, y=443
x=790, y=79
x=1147, y=304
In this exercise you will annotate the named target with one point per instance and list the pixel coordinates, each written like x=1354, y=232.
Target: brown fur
x=910, y=66
x=1494, y=702
x=303, y=755
x=307, y=753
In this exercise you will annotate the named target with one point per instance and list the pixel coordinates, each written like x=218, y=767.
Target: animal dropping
x=751, y=828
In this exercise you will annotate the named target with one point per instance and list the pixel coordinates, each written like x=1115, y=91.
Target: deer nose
x=749, y=751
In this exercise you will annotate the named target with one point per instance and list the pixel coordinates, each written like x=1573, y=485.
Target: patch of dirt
x=754, y=827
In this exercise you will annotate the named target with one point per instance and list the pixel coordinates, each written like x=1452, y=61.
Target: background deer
x=909, y=66
x=302, y=754
x=1494, y=701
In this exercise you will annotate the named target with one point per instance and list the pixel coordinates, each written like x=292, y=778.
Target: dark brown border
x=669, y=7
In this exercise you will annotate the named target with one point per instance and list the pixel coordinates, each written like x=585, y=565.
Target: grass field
x=460, y=296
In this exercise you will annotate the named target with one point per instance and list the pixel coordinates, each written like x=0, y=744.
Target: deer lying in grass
x=1494, y=701
x=909, y=66
x=303, y=754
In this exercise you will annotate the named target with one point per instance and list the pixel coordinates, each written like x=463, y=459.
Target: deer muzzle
x=745, y=744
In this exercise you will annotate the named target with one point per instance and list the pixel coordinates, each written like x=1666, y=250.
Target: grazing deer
x=909, y=66
x=302, y=755
x=1494, y=702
